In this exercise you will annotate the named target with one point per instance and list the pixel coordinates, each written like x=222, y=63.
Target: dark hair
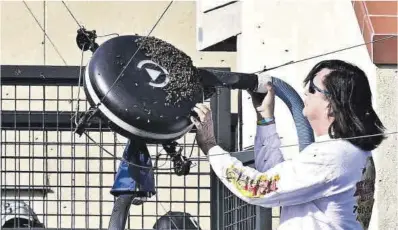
x=350, y=105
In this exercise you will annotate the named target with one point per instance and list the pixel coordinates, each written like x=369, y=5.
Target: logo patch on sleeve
x=252, y=187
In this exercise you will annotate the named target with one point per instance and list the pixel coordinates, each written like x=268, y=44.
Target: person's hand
x=205, y=130
x=264, y=104
x=257, y=98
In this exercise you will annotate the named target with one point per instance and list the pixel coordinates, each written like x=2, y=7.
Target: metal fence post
x=221, y=111
x=263, y=218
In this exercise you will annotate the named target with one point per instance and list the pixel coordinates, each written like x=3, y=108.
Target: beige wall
x=289, y=31
x=23, y=43
x=176, y=27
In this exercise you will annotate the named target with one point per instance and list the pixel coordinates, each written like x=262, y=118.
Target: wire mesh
x=66, y=179
x=238, y=215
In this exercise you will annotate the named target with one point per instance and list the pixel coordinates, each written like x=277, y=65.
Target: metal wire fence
x=66, y=179
x=239, y=215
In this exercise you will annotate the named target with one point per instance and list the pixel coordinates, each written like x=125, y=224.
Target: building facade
x=271, y=33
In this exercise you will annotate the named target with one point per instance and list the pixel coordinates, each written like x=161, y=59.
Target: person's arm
x=267, y=144
x=267, y=141
x=308, y=177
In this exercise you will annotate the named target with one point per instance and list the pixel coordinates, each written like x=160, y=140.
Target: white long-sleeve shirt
x=317, y=189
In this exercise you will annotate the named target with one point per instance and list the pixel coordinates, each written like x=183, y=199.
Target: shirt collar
x=321, y=138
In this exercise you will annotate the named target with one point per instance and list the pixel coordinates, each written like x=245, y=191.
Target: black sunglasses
x=313, y=87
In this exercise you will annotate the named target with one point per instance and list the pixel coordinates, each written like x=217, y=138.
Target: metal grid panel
x=238, y=215
x=65, y=179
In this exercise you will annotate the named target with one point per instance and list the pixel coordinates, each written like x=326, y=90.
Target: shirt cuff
x=216, y=150
x=266, y=130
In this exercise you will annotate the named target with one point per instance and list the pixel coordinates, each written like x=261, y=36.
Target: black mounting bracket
x=84, y=120
x=85, y=40
x=181, y=164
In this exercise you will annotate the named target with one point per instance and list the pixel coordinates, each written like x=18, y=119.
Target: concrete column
x=385, y=212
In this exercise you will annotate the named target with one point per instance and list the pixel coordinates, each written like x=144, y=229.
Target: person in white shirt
x=321, y=187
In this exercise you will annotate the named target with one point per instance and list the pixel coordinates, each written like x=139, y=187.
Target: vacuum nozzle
x=234, y=80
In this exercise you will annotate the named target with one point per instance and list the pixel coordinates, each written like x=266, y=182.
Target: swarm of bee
x=184, y=78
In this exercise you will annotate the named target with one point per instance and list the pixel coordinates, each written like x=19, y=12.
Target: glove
x=205, y=130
